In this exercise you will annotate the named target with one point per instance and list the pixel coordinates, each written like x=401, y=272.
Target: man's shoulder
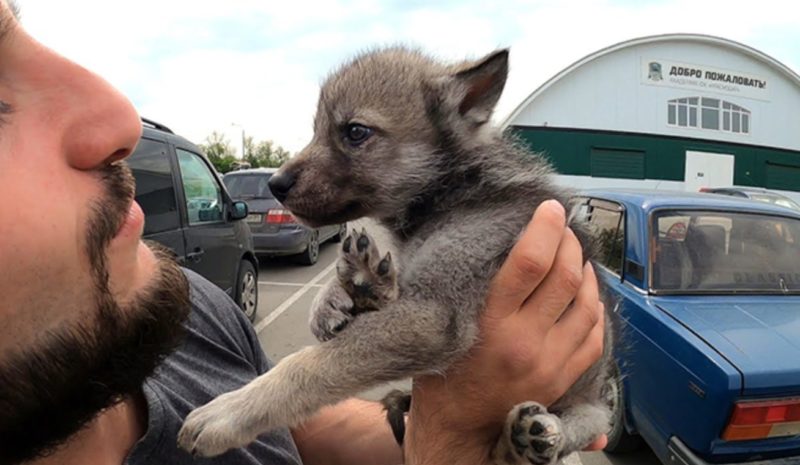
x=209, y=300
x=217, y=321
x=204, y=291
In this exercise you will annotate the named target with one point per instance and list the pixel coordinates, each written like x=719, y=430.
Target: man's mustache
x=109, y=212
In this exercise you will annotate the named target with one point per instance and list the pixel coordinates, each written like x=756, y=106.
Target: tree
x=220, y=152
x=264, y=154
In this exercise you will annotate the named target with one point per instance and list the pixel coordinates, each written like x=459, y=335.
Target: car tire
x=311, y=254
x=619, y=440
x=341, y=234
x=247, y=289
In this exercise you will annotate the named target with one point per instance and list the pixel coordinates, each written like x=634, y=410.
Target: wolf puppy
x=407, y=141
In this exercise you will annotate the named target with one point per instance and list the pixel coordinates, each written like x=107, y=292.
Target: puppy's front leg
x=404, y=339
x=365, y=282
x=331, y=311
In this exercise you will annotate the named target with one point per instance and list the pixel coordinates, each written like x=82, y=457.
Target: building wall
x=632, y=156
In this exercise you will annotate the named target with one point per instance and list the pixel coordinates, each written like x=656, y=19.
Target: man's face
x=75, y=278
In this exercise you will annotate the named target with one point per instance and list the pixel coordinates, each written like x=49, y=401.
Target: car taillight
x=279, y=216
x=763, y=419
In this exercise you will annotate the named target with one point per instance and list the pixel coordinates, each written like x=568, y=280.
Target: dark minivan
x=188, y=210
x=275, y=230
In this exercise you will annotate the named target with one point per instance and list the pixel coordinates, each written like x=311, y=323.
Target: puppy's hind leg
x=534, y=436
x=404, y=339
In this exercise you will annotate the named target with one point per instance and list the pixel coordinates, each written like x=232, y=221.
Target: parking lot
x=286, y=292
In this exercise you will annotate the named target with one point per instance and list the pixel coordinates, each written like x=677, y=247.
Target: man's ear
x=482, y=85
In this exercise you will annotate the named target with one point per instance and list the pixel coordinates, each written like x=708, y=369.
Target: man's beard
x=51, y=391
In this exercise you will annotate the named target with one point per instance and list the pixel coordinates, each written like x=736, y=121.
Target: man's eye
x=356, y=134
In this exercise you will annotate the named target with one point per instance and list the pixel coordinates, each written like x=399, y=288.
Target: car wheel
x=339, y=236
x=311, y=254
x=247, y=289
x=619, y=440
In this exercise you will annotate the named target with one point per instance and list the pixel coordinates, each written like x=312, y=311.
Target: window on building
x=708, y=113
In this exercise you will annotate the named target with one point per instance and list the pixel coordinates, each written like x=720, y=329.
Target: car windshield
x=248, y=186
x=724, y=252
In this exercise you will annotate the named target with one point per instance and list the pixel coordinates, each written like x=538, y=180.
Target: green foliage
x=219, y=151
x=264, y=154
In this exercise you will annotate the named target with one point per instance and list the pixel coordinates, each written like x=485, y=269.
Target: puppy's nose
x=280, y=185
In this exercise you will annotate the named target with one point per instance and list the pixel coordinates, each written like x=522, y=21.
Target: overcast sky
x=202, y=65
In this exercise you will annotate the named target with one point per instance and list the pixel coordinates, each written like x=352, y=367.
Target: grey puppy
x=406, y=140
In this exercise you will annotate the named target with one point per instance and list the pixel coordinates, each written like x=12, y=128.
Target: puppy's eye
x=356, y=134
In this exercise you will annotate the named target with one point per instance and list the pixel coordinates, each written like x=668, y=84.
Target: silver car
x=275, y=231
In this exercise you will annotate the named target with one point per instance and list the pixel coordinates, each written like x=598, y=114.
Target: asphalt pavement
x=286, y=291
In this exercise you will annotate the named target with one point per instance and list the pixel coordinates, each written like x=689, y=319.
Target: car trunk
x=257, y=216
x=759, y=335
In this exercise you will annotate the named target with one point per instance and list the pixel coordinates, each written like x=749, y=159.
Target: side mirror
x=239, y=210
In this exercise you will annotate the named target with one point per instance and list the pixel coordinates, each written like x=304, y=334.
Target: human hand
x=542, y=327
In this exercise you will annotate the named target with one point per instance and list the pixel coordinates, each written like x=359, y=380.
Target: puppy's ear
x=483, y=83
x=464, y=98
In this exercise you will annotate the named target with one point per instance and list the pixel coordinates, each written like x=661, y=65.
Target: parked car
x=275, y=230
x=753, y=193
x=707, y=290
x=188, y=209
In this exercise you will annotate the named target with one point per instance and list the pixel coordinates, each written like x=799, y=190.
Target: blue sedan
x=708, y=294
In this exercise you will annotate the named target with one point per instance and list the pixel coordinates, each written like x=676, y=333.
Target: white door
x=705, y=169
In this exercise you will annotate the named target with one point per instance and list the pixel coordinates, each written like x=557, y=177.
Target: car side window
x=606, y=222
x=203, y=193
x=155, y=191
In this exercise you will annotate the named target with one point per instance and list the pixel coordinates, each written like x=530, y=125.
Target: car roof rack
x=156, y=125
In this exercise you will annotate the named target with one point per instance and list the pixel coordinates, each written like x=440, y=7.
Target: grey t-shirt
x=221, y=353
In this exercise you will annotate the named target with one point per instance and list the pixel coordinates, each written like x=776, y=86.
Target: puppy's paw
x=331, y=312
x=369, y=278
x=222, y=424
x=531, y=436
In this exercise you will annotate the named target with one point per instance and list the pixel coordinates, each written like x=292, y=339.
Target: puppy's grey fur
x=455, y=194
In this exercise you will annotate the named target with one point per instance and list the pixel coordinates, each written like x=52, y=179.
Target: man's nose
x=280, y=184
x=100, y=124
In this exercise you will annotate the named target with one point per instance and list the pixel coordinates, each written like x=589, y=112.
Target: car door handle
x=196, y=255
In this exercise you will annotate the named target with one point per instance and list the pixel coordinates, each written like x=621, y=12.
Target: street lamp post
x=243, y=145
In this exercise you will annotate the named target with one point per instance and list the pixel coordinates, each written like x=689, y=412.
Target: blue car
x=707, y=290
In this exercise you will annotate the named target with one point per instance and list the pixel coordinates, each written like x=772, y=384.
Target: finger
x=528, y=262
x=586, y=355
x=559, y=288
x=578, y=320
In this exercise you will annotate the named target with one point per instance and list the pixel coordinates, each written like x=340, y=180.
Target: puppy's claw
x=385, y=265
x=331, y=312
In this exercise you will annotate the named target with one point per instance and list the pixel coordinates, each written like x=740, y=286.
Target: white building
x=678, y=111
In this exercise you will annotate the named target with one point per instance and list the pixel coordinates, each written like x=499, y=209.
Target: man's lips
x=132, y=222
